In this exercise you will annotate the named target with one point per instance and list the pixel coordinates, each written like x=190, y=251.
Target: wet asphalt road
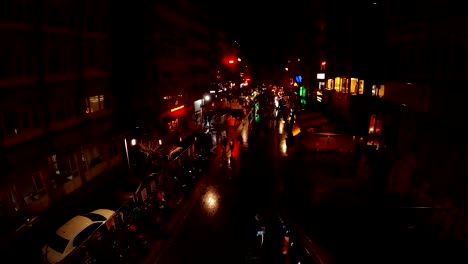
x=220, y=226
x=262, y=175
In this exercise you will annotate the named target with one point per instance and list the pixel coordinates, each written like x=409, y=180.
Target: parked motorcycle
x=136, y=242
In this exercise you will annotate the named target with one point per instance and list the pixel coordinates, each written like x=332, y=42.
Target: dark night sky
x=263, y=29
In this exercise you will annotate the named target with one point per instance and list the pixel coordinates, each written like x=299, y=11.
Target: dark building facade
x=169, y=60
x=56, y=131
x=426, y=72
x=407, y=109
x=76, y=77
x=350, y=61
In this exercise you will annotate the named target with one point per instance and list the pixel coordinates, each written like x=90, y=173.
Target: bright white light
x=160, y=142
x=239, y=59
x=133, y=142
x=207, y=97
x=286, y=69
x=211, y=201
x=283, y=147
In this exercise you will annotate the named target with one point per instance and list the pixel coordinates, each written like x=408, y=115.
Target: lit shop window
x=354, y=86
x=361, y=87
x=381, y=90
x=344, y=85
x=375, y=126
x=94, y=103
x=330, y=84
x=337, y=84
x=378, y=90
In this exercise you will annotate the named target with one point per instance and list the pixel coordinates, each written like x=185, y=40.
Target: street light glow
x=239, y=59
x=207, y=97
x=231, y=61
x=133, y=142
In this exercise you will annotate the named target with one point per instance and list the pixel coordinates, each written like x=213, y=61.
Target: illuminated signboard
x=299, y=78
x=177, y=108
x=321, y=76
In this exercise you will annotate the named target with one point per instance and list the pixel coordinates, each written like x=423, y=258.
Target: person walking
x=231, y=145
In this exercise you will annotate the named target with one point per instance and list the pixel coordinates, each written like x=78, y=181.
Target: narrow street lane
x=220, y=227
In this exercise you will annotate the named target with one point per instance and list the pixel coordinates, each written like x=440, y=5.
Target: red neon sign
x=177, y=108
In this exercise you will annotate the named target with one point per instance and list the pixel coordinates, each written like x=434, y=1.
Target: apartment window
x=14, y=198
x=90, y=23
x=59, y=111
x=26, y=122
x=24, y=10
x=35, y=119
x=6, y=9
x=83, y=163
x=91, y=59
x=6, y=66
x=77, y=105
x=31, y=188
x=94, y=103
x=12, y=123
x=56, y=61
x=113, y=150
x=63, y=168
x=23, y=65
x=95, y=155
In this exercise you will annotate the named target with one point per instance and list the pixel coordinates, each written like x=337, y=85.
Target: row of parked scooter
x=146, y=220
x=126, y=237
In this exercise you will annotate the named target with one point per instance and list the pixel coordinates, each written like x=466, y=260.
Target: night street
x=166, y=132
x=219, y=228
x=325, y=203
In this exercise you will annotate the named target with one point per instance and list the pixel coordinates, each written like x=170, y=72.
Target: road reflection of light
x=245, y=135
x=283, y=147
x=211, y=201
x=281, y=127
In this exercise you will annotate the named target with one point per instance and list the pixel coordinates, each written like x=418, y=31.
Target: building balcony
x=100, y=114
x=95, y=73
x=60, y=77
x=23, y=136
x=95, y=35
x=18, y=81
x=58, y=30
x=69, y=122
x=12, y=25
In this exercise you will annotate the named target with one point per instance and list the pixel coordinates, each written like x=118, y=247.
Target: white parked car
x=73, y=233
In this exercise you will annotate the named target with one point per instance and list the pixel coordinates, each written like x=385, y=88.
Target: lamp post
x=133, y=143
